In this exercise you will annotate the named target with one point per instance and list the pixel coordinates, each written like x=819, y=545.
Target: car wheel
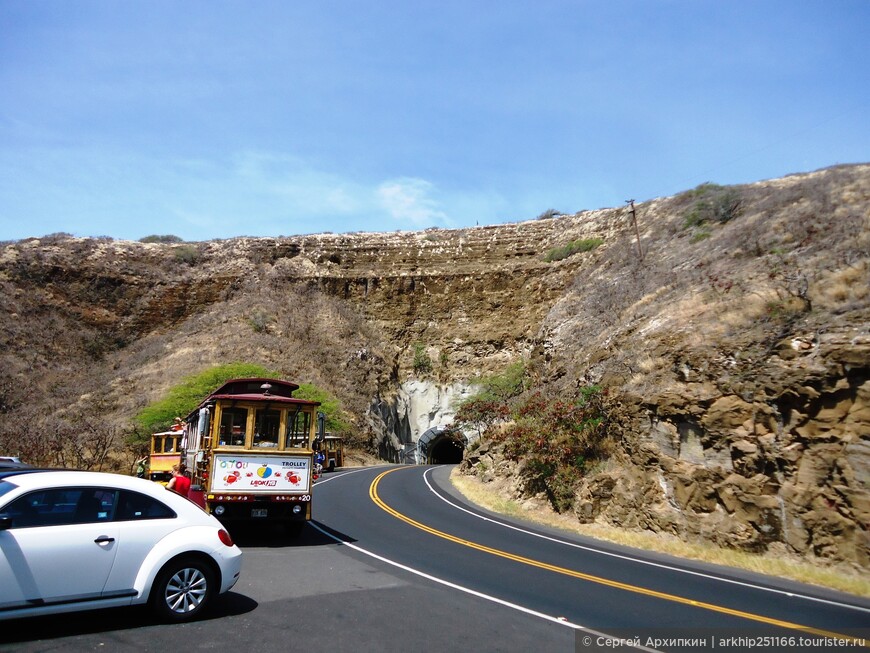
x=182, y=589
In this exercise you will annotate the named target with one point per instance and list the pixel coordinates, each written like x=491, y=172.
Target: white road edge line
x=467, y=590
x=641, y=561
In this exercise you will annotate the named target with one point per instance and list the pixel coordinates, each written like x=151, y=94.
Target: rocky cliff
x=733, y=323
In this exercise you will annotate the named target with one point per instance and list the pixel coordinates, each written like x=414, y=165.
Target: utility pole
x=636, y=230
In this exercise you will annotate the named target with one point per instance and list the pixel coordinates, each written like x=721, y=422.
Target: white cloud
x=93, y=192
x=299, y=186
x=408, y=199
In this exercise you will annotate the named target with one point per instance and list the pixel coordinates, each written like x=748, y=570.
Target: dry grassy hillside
x=735, y=334
x=740, y=345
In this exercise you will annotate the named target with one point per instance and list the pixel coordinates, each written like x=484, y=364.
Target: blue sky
x=214, y=119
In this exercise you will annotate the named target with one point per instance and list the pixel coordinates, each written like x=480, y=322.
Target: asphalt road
x=397, y=561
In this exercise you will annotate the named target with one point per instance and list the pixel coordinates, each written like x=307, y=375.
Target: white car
x=73, y=540
x=12, y=462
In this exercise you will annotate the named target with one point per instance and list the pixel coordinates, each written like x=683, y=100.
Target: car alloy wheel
x=182, y=589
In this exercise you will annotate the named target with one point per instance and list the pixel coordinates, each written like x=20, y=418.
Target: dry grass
x=779, y=566
x=359, y=458
x=837, y=288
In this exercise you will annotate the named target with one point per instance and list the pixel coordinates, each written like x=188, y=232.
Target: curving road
x=397, y=561
x=411, y=517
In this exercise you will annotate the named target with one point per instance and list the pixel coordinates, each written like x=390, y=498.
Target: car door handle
x=104, y=539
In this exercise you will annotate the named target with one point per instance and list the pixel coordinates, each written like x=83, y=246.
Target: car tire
x=183, y=589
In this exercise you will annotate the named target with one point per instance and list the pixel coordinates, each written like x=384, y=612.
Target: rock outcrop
x=746, y=358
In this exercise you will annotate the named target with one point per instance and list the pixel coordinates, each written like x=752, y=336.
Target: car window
x=60, y=506
x=133, y=506
x=6, y=486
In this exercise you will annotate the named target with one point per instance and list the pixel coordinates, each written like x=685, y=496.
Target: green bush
x=712, y=203
x=707, y=188
x=329, y=405
x=186, y=396
x=491, y=403
x=555, y=438
x=574, y=247
x=558, y=437
x=727, y=206
x=509, y=383
x=702, y=233
x=422, y=362
x=259, y=321
x=186, y=254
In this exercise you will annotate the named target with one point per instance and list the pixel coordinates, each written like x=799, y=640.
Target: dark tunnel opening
x=446, y=451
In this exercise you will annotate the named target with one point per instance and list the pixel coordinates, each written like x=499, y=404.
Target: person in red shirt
x=180, y=482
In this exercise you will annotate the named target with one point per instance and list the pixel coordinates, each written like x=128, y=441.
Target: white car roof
x=28, y=480
x=32, y=478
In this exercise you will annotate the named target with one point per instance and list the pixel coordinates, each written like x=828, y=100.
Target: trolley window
x=234, y=423
x=298, y=427
x=266, y=425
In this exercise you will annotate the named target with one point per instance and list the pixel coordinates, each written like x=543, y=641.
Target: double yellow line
x=375, y=497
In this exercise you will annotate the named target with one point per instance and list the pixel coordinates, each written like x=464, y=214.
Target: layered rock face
x=734, y=325
x=748, y=364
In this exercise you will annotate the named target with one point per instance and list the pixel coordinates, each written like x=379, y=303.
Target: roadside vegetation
x=488, y=496
x=555, y=438
x=70, y=437
x=186, y=396
x=336, y=421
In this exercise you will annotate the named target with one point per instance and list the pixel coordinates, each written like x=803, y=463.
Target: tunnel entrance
x=446, y=451
x=439, y=446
